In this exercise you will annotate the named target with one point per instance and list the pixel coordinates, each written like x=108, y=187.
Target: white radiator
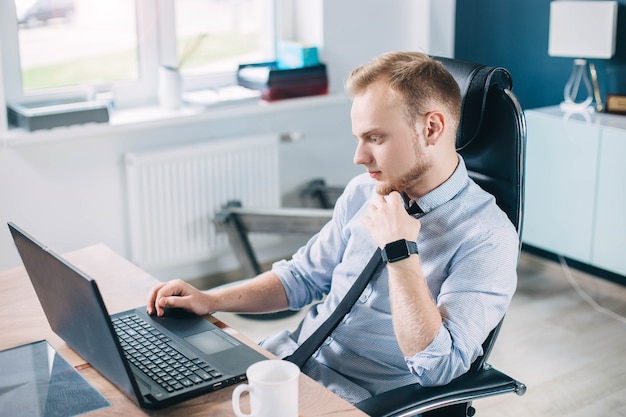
x=173, y=195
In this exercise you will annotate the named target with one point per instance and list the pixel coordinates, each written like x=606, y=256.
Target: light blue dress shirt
x=469, y=253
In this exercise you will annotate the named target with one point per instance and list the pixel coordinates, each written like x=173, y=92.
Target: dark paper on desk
x=36, y=381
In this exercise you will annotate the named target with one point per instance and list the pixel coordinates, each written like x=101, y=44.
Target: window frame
x=215, y=79
x=126, y=92
x=156, y=44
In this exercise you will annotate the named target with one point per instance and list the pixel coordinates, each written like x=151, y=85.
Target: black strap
x=313, y=342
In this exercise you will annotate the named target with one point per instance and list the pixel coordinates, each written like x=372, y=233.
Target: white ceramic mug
x=273, y=388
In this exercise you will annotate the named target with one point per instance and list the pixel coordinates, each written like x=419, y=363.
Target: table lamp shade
x=582, y=29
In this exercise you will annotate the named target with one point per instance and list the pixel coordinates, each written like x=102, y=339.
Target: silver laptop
x=155, y=361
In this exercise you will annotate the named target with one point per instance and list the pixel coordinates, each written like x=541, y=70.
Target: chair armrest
x=238, y=222
x=415, y=399
x=278, y=220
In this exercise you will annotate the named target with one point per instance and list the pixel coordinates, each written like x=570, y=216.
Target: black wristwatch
x=398, y=250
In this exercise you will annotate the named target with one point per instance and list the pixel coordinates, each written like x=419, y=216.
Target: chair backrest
x=492, y=133
x=492, y=140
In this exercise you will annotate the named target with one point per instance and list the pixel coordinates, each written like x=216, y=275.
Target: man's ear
x=435, y=123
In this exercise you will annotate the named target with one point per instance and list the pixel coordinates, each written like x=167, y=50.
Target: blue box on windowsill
x=296, y=55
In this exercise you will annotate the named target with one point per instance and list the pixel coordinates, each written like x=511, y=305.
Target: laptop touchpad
x=210, y=342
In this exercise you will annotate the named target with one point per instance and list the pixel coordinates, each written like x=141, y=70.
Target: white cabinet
x=609, y=244
x=576, y=186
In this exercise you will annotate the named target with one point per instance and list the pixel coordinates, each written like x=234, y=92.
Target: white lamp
x=582, y=29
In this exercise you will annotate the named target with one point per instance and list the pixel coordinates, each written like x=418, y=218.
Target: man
x=424, y=317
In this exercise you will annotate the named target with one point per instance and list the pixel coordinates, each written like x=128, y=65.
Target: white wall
x=355, y=31
x=3, y=114
x=69, y=192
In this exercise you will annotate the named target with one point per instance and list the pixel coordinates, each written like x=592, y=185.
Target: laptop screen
x=74, y=309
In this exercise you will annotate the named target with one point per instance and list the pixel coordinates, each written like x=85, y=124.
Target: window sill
x=150, y=117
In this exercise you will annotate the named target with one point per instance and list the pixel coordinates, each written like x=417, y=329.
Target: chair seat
x=418, y=399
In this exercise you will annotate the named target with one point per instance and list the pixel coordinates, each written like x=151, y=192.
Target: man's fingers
x=152, y=298
x=163, y=295
x=396, y=198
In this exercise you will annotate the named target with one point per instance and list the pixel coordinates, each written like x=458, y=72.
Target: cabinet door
x=609, y=249
x=561, y=163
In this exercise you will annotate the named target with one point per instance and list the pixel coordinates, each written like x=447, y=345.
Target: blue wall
x=514, y=34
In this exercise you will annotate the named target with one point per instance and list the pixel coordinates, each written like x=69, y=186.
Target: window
x=67, y=43
x=213, y=37
x=93, y=46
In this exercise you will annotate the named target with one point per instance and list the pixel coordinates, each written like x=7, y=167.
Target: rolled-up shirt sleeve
x=472, y=301
x=423, y=363
x=307, y=276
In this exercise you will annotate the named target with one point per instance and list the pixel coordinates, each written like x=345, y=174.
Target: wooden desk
x=125, y=286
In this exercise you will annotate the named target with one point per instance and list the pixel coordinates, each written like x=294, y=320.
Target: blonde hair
x=422, y=82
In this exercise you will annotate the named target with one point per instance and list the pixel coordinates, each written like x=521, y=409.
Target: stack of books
x=275, y=82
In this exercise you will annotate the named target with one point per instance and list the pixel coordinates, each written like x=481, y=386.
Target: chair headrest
x=475, y=82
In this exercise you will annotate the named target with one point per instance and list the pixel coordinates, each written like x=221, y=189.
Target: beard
x=406, y=180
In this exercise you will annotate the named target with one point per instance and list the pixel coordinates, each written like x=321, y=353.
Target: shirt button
x=366, y=294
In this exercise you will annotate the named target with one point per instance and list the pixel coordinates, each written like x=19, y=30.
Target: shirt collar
x=446, y=191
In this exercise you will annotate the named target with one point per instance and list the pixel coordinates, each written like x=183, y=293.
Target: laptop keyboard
x=149, y=350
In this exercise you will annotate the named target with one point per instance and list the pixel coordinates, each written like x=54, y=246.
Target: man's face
x=392, y=152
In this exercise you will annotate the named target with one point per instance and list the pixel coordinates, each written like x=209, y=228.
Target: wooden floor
x=571, y=356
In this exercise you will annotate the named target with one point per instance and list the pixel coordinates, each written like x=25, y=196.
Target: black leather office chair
x=491, y=139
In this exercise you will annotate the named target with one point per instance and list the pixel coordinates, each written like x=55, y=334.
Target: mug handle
x=236, y=395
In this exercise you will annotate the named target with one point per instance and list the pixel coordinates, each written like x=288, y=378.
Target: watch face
x=397, y=250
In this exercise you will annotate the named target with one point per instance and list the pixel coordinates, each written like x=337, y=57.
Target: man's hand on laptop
x=177, y=294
